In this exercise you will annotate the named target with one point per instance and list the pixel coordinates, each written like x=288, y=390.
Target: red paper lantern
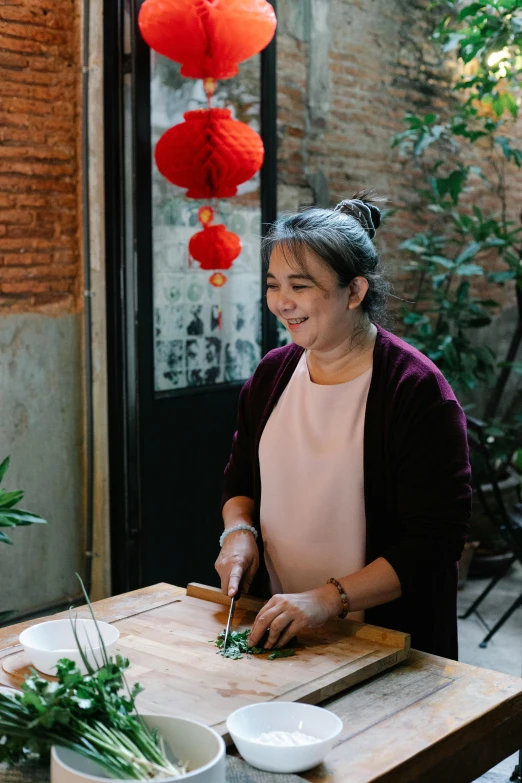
x=215, y=247
x=210, y=153
x=209, y=37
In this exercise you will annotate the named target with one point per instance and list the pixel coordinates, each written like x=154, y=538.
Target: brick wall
x=348, y=70
x=39, y=173
x=338, y=113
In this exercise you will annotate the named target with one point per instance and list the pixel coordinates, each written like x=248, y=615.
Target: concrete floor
x=504, y=651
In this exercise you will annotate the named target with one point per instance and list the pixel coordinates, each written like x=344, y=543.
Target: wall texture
x=41, y=428
x=348, y=72
x=40, y=281
x=39, y=50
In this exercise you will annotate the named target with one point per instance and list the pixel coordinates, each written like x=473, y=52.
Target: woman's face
x=309, y=303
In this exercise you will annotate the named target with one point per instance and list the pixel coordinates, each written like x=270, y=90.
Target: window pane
x=191, y=347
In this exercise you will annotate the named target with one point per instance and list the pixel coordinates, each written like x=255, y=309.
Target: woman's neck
x=345, y=362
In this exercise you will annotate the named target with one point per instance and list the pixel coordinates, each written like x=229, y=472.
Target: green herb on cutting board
x=93, y=714
x=284, y=652
x=237, y=646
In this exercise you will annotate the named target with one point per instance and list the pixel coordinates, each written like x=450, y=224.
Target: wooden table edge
x=506, y=742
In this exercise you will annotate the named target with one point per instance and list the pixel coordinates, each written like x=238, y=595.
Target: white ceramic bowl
x=191, y=742
x=45, y=643
x=248, y=723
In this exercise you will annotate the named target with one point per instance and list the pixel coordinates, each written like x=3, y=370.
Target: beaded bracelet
x=242, y=526
x=344, y=597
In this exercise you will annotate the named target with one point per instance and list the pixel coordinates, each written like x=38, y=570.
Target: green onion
x=93, y=714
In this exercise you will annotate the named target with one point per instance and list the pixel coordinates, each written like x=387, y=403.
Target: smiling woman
x=350, y=456
x=320, y=315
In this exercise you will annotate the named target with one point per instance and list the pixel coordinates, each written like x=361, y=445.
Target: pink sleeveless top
x=312, y=483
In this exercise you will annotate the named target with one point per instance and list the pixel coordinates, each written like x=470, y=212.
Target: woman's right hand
x=238, y=562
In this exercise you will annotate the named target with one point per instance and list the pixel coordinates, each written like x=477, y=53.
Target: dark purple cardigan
x=416, y=481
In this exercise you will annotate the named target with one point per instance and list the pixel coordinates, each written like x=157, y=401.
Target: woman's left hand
x=286, y=615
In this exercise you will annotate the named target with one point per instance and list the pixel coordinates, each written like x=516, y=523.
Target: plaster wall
x=41, y=428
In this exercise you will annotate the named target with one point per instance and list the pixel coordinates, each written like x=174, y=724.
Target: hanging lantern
x=214, y=247
x=217, y=280
x=208, y=37
x=210, y=153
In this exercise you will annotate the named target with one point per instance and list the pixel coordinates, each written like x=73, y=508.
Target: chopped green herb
x=237, y=646
x=282, y=653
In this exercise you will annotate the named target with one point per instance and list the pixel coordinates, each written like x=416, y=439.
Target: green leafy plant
x=237, y=646
x=12, y=517
x=9, y=515
x=93, y=714
x=462, y=243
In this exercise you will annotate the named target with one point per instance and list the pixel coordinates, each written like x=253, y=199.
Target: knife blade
x=235, y=598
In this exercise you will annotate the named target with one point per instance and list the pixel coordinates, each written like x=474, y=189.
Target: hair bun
x=368, y=215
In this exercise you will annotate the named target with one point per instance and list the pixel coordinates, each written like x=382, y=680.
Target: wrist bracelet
x=242, y=526
x=344, y=597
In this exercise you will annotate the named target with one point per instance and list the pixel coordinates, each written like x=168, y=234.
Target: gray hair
x=342, y=239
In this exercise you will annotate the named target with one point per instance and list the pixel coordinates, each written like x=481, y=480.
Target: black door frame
x=129, y=265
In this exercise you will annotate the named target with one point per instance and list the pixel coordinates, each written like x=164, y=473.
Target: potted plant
x=463, y=243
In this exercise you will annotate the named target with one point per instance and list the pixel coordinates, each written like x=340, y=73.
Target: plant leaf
x=469, y=269
x=469, y=252
x=6, y=522
x=4, y=538
x=510, y=103
x=451, y=355
x=100, y=637
x=443, y=261
x=10, y=499
x=500, y=277
x=514, y=366
x=470, y=10
x=4, y=467
x=21, y=517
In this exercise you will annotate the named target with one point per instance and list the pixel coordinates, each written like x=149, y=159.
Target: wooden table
x=428, y=720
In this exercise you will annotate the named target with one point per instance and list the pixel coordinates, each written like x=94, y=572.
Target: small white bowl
x=191, y=742
x=249, y=723
x=45, y=643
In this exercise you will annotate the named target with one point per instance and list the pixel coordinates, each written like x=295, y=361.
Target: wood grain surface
x=173, y=656
x=426, y=720
x=429, y=720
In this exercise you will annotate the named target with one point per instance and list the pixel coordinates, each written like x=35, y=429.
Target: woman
x=350, y=457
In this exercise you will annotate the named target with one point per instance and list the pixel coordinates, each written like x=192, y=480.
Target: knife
x=235, y=598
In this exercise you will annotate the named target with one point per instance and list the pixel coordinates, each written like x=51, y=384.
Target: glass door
x=180, y=348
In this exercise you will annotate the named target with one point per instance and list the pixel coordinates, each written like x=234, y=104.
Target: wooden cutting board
x=173, y=655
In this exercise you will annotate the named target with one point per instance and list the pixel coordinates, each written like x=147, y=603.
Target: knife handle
x=214, y=594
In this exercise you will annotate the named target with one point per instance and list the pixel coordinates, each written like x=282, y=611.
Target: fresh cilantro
x=237, y=646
